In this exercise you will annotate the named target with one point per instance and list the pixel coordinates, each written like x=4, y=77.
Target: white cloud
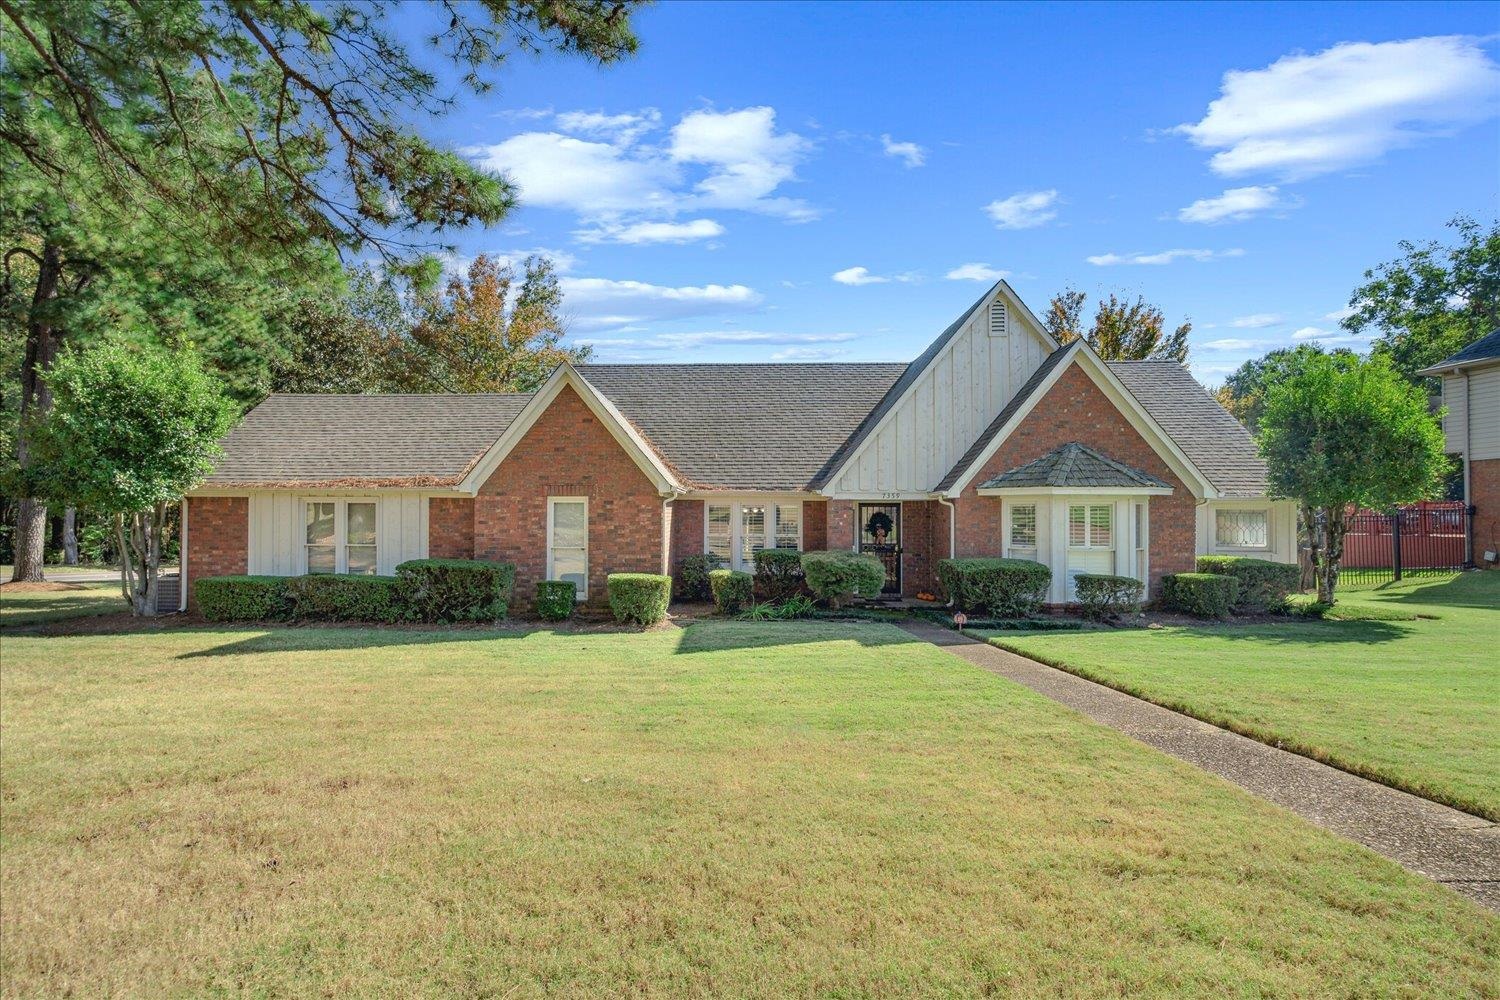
x=1308, y=333
x=1234, y=205
x=909, y=152
x=862, y=276
x=976, y=272
x=1256, y=321
x=593, y=179
x=622, y=128
x=747, y=159
x=638, y=233
x=1331, y=338
x=594, y=303
x=1231, y=344
x=1310, y=114
x=1025, y=210
x=1339, y=315
x=1162, y=257
x=806, y=354
x=562, y=261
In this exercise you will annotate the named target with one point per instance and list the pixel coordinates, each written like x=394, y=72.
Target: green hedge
x=325, y=597
x=241, y=598
x=778, y=574
x=1102, y=596
x=1264, y=585
x=641, y=598
x=692, y=576
x=1204, y=595
x=456, y=590
x=839, y=575
x=1004, y=588
x=555, y=600
x=732, y=589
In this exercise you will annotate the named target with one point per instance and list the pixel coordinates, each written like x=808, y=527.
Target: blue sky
x=838, y=182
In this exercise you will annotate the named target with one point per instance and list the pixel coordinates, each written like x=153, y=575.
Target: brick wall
x=218, y=539
x=568, y=452
x=1484, y=494
x=450, y=528
x=924, y=540
x=839, y=524
x=1077, y=410
x=687, y=530
x=814, y=525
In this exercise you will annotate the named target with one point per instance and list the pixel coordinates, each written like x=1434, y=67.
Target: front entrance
x=880, y=536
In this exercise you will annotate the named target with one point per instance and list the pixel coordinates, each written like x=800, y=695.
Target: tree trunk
x=142, y=557
x=42, y=339
x=70, y=537
x=1336, y=524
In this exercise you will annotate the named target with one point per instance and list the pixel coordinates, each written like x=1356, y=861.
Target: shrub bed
x=692, y=577
x=839, y=575
x=641, y=598
x=555, y=600
x=1264, y=585
x=732, y=590
x=345, y=598
x=1003, y=588
x=456, y=590
x=241, y=598
x=778, y=574
x=1102, y=596
x=1203, y=595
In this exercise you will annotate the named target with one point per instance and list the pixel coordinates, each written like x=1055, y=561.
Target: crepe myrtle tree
x=132, y=428
x=1339, y=432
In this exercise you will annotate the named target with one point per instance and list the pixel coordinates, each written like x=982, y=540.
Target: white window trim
x=1088, y=526
x=1036, y=528
x=552, y=502
x=340, y=531
x=1262, y=509
x=736, y=524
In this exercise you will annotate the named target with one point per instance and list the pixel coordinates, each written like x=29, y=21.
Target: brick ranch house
x=995, y=442
x=1471, y=426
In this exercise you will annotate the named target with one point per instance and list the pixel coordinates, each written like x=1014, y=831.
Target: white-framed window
x=1242, y=529
x=1091, y=526
x=1142, y=542
x=339, y=536
x=1023, y=526
x=734, y=530
x=568, y=542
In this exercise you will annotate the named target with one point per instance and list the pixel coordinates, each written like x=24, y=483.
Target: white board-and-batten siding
x=950, y=404
x=278, y=530
x=1478, y=406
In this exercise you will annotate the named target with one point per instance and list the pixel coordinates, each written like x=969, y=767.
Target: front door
x=880, y=536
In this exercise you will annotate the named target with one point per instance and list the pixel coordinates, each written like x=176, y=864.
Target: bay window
x=339, y=536
x=736, y=530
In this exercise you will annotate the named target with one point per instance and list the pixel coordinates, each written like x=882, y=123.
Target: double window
x=568, y=542
x=1091, y=526
x=339, y=536
x=1241, y=529
x=736, y=531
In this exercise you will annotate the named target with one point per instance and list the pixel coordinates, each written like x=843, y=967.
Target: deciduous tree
x=1121, y=330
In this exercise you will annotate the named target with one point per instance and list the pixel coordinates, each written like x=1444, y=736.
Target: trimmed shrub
x=1264, y=585
x=1101, y=595
x=778, y=574
x=837, y=576
x=641, y=598
x=1004, y=588
x=456, y=590
x=241, y=598
x=1203, y=595
x=555, y=600
x=330, y=598
x=732, y=589
x=692, y=576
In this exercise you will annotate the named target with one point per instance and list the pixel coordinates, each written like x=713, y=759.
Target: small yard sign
x=960, y=619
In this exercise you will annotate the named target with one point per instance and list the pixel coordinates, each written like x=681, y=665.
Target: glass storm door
x=880, y=536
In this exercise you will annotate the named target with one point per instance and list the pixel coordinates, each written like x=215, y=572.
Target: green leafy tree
x=1244, y=391
x=1121, y=330
x=1434, y=300
x=131, y=429
x=270, y=135
x=1340, y=432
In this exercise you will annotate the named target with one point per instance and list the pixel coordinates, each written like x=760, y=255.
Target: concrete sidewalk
x=1449, y=846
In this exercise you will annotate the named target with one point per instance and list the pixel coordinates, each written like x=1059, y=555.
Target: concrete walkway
x=1449, y=846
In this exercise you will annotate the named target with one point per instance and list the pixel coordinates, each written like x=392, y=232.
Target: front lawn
x=1414, y=702
x=733, y=809
x=42, y=603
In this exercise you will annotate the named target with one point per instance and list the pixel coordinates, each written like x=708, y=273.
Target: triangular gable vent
x=998, y=318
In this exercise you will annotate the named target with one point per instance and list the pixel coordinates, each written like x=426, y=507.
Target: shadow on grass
x=292, y=640
x=1472, y=589
x=1306, y=633
x=713, y=637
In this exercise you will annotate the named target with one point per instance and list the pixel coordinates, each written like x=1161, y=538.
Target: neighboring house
x=1471, y=393
x=996, y=441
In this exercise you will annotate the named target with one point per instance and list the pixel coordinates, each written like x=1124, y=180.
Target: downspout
x=952, y=532
x=1468, y=443
x=182, y=561
x=666, y=533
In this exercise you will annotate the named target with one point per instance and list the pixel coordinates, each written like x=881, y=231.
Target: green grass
x=1404, y=689
x=735, y=809
x=20, y=605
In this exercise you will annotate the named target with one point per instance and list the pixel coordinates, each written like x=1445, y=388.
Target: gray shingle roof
x=747, y=426
x=360, y=441
x=1486, y=348
x=1026, y=391
x=1074, y=465
x=1207, y=433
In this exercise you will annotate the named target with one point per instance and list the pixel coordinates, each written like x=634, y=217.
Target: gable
x=944, y=400
x=566, y=448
